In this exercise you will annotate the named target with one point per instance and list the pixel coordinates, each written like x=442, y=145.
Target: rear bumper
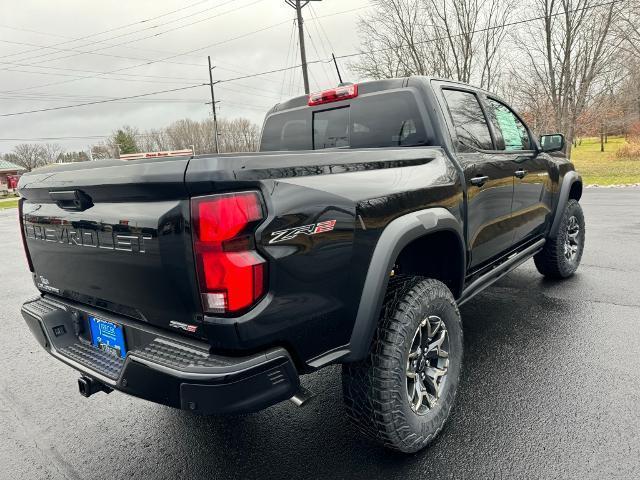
x=162, y=368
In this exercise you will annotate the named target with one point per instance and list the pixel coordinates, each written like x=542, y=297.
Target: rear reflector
x=23, y=233
x=231, y=274
x=334, y=95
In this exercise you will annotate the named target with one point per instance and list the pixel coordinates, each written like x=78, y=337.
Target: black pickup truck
x=372, y=212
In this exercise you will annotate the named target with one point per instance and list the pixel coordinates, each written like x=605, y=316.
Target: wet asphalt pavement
x=550, y=389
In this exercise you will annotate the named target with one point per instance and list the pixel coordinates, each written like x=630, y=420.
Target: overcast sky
x=39, y=36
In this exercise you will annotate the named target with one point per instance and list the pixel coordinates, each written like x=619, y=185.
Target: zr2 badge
x=313, y=229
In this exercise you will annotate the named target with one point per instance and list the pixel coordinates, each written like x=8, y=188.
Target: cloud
x=45, y=23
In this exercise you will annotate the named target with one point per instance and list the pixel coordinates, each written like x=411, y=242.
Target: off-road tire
x=375, y=389
x=551, y=261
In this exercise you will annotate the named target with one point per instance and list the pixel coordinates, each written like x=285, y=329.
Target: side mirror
x=552, y=143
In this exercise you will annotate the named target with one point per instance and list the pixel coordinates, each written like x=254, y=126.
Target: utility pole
x=213, y=107
x=299, y=5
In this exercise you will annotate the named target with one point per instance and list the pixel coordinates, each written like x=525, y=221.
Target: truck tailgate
x=114, y=235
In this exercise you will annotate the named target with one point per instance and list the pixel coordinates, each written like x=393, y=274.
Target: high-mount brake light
x=334, y=95
x=231, y=274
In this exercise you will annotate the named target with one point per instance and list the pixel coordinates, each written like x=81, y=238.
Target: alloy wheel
x=571, y=243
x=427, y=364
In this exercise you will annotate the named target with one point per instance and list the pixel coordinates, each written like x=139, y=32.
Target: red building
x=9, y=175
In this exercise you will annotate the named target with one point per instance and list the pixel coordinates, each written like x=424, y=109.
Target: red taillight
x=23, y=234
x=333, y=95
x=231, y=274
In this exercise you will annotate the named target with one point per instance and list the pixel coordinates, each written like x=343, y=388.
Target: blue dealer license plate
x=107, y=336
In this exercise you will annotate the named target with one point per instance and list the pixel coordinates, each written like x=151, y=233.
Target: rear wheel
x=562, y=253
x=403, y=392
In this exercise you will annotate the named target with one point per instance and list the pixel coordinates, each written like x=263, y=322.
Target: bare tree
x=155, y=140
x=629, y=27
x=103, y=151
x=235, y=135
x=29, y=155
x=497, y=14
x=189, y=133
x=458, y=39
x=568, y=55
x=52, y=152
x=239, y=135
x=628, y=31
x=630, y=90
x=393, y=41
x=455, y=23
x=71, y=157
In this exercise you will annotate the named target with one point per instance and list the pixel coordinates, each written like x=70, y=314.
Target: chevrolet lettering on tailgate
x=82, y=237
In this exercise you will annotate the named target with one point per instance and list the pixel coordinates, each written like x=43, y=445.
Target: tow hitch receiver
x=88, y=386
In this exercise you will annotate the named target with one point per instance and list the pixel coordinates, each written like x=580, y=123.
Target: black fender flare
x=397, y=235
x=563, y=197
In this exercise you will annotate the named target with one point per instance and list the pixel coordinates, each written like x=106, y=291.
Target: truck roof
x=369, y=87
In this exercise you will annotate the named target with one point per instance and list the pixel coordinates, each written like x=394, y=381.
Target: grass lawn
x=603, y=168
x=9, y=203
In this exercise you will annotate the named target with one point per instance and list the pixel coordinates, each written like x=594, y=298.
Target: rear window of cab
x=380, y=120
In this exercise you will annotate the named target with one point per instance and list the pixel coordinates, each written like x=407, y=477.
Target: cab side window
x=513, y=133
x=468, y=118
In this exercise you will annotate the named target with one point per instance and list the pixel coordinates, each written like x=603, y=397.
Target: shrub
x=629, y=151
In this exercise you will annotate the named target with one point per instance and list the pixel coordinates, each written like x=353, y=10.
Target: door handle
x=479, y=180
x=520, y=173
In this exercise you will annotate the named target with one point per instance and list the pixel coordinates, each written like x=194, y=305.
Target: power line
x=142, y=101
x=258, y=90
x=147, y=60
x=92, y=71
x=166, y=59
x=265, y=93
x=129, y=57
x=128, y=42
x=315, y=17
x=13, y=114
x=124, y=100
x=93, y=35
x=292, y=76
x=268, y=72
x=36, y=96
x=102, y=77
x=110, y=55
x=247, y=106
x=222, y=42
x=327, y=48
x=317, y=52
x=286, y=62
x=71, y=39
x=142, y=64
x=121, y=57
